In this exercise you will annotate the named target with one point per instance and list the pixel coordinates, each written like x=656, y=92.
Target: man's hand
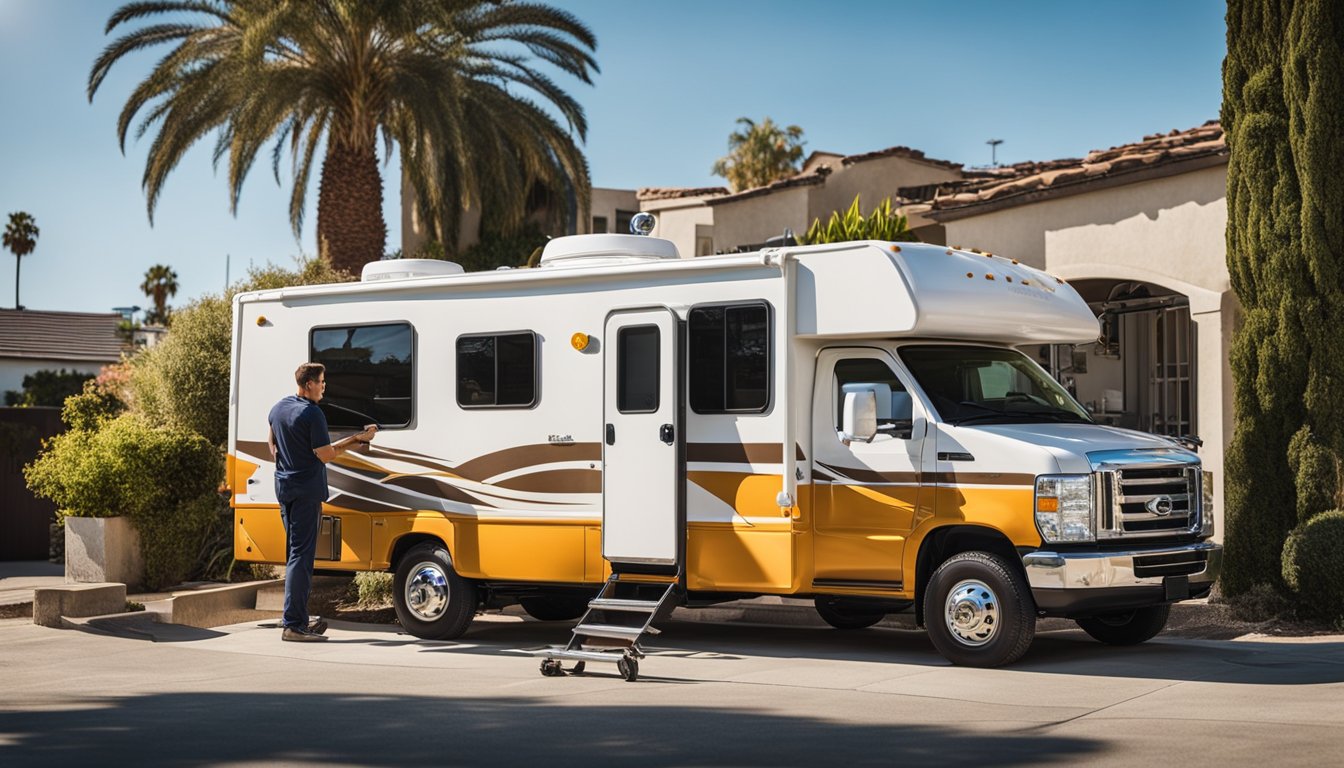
x=367, y=435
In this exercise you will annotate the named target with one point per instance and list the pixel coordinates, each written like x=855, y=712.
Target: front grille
x=1174, y=564
x=1151, y=500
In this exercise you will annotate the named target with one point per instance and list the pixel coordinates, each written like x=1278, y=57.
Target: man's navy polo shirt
x=300, y=427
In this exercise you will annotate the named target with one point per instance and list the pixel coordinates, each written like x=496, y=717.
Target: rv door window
x=497, y=371
x=730, y=358
x=369, y=374
x=637, y=371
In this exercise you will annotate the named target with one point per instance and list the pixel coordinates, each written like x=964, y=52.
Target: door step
x=617, y=619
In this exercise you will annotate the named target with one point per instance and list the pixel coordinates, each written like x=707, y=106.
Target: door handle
x=611, y=434
x=667, y=434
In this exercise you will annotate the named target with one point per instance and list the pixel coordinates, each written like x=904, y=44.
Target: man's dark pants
x=301, y=518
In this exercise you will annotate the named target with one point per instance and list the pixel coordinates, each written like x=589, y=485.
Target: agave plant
x=884, y=223
x=448, y=82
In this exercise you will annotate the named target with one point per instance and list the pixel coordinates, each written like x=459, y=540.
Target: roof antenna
x=993, y=151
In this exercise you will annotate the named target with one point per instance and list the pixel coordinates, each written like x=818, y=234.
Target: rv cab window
x=497, y=370
x=369, y=374
x=893, y=415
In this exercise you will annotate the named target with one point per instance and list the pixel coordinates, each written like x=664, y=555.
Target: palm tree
x=20, y=238
x=760, y=154
x=160, y=283
x=448, y=81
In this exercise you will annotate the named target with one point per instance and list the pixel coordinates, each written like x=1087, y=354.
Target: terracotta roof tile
x=906, y=152
x=669, y=193
x=792, y=181
x=991, y=185
x=76, y=336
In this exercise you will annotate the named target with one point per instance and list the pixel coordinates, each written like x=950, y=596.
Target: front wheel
x=432, y=601
x=978, y=611
x=1127, y=627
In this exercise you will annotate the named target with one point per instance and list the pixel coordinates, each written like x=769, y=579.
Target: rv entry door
x=643, y=519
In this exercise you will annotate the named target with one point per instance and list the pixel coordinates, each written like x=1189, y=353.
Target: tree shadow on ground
x=190, y=729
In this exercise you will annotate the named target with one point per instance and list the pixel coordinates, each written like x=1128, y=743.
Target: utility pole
x=993, y=151
x=226, y=274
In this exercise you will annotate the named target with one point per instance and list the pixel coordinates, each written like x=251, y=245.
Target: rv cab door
x=643, y=519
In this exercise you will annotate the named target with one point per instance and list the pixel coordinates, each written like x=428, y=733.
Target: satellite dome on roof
x=604, y=250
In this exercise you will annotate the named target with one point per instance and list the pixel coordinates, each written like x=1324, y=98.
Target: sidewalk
x=18, y=579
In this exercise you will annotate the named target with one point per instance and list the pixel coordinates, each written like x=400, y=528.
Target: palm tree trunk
x=18, y=262
x=350, y=228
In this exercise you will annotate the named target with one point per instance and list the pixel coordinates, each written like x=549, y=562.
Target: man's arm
x=327, y=453
x=270, y=440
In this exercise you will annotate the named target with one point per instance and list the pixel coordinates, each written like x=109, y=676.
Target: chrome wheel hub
x=427, y=592
x=972, y=612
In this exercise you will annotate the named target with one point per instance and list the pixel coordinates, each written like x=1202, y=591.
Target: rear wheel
x=978, y=611
x=554, y=607
x=1127, y=627
x=432, y=601
x=835, y=612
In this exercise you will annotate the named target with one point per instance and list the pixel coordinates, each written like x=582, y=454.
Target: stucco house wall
x=873, y=180
x=755, y=219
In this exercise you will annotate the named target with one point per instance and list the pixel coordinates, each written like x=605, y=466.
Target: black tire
x=432, y=601
x=554, y=607
x=979, y=611
x=835, y=612
x=629, y=669
x=1127, y=627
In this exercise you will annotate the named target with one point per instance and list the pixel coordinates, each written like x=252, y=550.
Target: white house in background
x=32, y=341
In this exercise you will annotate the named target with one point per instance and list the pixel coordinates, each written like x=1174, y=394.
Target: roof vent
x=606, y=250
x=400, y=269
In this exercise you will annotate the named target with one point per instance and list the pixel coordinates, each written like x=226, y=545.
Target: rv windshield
x=988, y=385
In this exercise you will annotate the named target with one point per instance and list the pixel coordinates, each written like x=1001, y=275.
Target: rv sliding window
x=729, y=358
x=497, y=370
x=370, y=374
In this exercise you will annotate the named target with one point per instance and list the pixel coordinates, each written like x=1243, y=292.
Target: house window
x=730, y=358
x=599, y=225
x=370, y=374
x=623, y=221
x=497, y=370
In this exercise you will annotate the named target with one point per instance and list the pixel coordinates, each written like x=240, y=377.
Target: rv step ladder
x=610, y=631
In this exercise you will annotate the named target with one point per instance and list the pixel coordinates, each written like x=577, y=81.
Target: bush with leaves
x=1311, y=566
x=497, y=250
x=884, y=223
x=127, y=465
x=47, y=388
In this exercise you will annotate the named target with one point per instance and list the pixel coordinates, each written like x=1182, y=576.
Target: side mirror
x=859, y=421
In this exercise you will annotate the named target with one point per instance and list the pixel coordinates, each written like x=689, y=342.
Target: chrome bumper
x=1102, y=570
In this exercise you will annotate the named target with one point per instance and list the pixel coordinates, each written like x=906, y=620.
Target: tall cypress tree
x=1283, y=115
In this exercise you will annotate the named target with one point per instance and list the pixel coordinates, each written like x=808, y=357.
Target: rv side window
x=497, y=371
x=637, y=369
x=730, y=358
x=369, y=374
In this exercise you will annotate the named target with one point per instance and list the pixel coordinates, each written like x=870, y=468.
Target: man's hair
x=309, y=372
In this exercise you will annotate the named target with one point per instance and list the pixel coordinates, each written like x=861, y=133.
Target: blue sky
x=1051, y=78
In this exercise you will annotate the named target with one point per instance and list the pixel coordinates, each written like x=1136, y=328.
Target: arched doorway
x=1141, y=372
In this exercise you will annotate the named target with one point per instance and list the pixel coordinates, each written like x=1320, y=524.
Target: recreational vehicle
x=850, y=423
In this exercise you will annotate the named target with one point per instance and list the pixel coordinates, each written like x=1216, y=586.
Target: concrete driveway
x=709, y=694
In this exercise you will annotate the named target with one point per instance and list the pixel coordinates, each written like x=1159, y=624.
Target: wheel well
x=944, y=543
x=408, y=542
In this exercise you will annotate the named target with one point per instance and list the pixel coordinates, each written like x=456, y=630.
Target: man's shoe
x=318, y=626
x=301, y=635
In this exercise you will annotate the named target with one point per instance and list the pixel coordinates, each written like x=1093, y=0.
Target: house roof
x=1155, y=156
x=670, y=193
x=905, y=152
x=75, y=336
x=800, y=180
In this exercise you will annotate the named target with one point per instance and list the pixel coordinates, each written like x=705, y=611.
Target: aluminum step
x=613, y=631
x=633, y=606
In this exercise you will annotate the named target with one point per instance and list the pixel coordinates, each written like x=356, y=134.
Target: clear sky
x=1051, y=78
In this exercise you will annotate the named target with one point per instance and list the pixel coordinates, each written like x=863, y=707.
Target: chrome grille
x=1157, y=500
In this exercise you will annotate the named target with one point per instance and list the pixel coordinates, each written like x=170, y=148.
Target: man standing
x=301, y=449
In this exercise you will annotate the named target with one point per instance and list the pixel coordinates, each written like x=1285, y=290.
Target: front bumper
x=1081, y=583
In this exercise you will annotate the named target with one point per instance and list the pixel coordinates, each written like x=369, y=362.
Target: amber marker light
x=989, y=277
x=579, y=341
x=895, y=249
x=261, y=320
x=1047, y=504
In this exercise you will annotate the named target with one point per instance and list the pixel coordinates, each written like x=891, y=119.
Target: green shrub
x=884, y=223
x=47, y=388
x=1313, y=468
x=373, y=589
x=100, y=402
x=128, y=466
x=503, y=249
x=1262, y=602
x=1311, y=566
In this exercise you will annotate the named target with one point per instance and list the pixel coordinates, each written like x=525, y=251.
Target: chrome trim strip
x=1099, y=570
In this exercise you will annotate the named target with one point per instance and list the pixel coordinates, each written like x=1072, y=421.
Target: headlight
x=1064, y=508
